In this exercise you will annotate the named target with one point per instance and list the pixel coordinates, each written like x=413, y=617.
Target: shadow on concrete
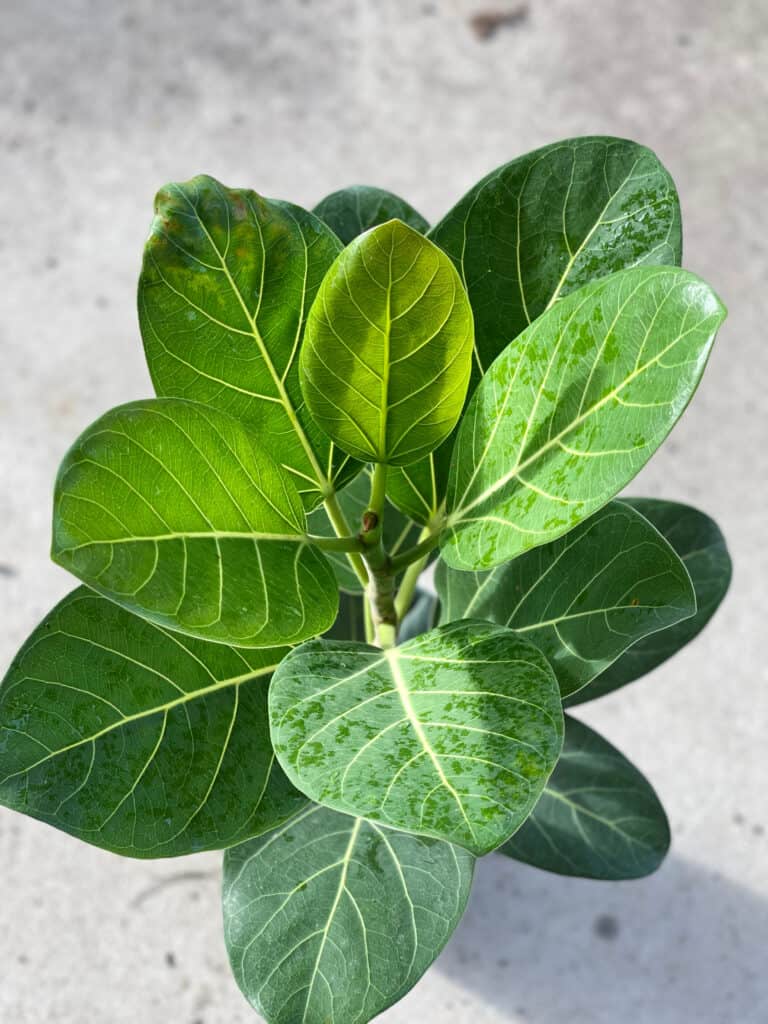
x=682, y=946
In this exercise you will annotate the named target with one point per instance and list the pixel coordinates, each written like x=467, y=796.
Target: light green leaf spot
x=549, y=222
x=452, y=734
x=138, y=740
x=582, y=599
x=174, y=511
x=572, y=410
x=386, y=359
x=331, y=919
x=227, y=280
x=597, y=818
x=701, y=546
x=353, y=210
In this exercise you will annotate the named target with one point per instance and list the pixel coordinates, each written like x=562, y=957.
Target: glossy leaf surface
x=227, y=280
x=173, y=510
x=139, y=740
x=598, y=817
x=582, y=599
x=544, y=225
x=386, y=357
x=572, y=410
x=331, y=919
x=452, y=734
x=353, y=210
x=399, y=532
x=699, y=543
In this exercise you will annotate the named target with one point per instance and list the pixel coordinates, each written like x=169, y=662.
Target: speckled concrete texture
x=100, y=103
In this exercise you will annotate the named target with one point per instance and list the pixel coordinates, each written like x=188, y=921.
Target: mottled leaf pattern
x=353, y=210
x=227, y=280
x=452, y=734
x=138, y=740
x=699, y=543
x=597, y=818
x=582, y=599
x=331, y=919
x=173, y=510
x=573, y=408
x=549, y=222
x=385, y=362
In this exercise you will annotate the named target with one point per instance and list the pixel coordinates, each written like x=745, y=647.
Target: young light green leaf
x=173, y=510
x=353, y=210
x=385, y=362
x=399, y=532
x=331, y=919
x=699, y=543
x=227, y=280
x=452, y=734
x=550, y=222
x=138, y=740
x=582, y=599
x=597, y=818
x=572, y=410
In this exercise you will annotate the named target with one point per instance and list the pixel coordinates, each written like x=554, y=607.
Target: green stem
x=381, y=580
x=340, y=525
x=416, y=553
x=410, y=580
x=346, y=544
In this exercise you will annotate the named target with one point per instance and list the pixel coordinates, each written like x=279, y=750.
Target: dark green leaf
x=399, y=532
x=353, y=210
x=350, y=622
x=700, y=544
x=582, y=599
x=227, y=281
x=597, y=818
x=452, y=734
x=572, y=410
x=173, y=510
x=550, y=222
x=385, y=362
x=331, y=919
x=418, y=489
x=138, y=740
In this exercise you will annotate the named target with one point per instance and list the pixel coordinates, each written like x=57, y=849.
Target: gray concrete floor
x=100, y=103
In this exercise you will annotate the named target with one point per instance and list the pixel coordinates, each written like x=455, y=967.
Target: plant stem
x=417, y=552
x=381, y=581
x=349, y=545
x=410, y=579
x=340, y=525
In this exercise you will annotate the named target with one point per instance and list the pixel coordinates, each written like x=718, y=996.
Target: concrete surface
x=100, y=103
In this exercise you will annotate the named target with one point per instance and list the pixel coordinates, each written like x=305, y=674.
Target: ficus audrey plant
x=251, y=664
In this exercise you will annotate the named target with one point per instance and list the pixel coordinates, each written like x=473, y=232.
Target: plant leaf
x=699, y=543
x=138, y=740
x=385, y=362
x=227, y=280
x=331, y=919
x=399, y=532
x=544, y=225
x=350, y=622
x=572, y=410
x=171, y=509
x=597, y=818
x=418, y=489
x=452, y=734
x=353, y=210
x=582, y=599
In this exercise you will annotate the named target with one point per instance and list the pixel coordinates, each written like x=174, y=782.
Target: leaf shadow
x=685, y=944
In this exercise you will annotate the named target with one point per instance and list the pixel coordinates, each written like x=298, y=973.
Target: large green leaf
x=399, y=532
x=331, y=919
x=173, y=510
x=701, y=546
x=386, y=358
x=573, y=408
x=597, y=818
x=353, y=210
x=550, y=222
x=453, y=734
x=227, y=280
x=138, y=740
x=582, y=599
